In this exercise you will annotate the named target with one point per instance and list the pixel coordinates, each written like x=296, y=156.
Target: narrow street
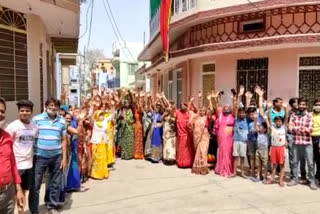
x=141, y=187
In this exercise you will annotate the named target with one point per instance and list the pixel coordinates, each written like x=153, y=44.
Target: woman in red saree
x=185, y=149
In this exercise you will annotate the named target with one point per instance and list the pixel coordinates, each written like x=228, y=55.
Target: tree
x=90, y=56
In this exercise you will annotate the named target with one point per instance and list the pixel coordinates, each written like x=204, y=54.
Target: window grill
x=309, y=78
x=252, y=73
x=13, y=55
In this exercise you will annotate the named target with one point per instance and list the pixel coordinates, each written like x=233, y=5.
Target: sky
x=131, y=16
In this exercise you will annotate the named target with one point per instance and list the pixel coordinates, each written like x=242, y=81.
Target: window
x=252, y=26
x=208, y=81
x=13, y=55
x=309, y=77
x=132, y=68
x=180, y=6
x=253, y=72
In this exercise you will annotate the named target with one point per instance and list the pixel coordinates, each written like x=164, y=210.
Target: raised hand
x=249, y=94
x=285, y=104
x=269, y=104
x=191, y=99
x=209, y=96
x=241, y=91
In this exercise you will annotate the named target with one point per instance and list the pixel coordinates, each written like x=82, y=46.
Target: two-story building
x=222, y=44
x=32, y=32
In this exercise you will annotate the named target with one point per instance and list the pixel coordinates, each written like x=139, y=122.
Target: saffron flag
x=165, y=9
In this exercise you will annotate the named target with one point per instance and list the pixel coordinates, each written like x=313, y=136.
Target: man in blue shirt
x=50, y=152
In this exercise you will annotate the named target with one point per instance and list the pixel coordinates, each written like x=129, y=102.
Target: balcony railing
x=154, y=23
x=178, y=7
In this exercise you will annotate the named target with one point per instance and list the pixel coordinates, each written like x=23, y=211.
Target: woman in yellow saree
x=109, y=117
x=99, y=140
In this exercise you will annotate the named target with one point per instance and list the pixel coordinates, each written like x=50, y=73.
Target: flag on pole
x=165, y=14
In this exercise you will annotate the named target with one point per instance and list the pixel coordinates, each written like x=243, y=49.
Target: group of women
x=131, y=124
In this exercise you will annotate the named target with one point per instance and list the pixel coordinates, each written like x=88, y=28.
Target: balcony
x=181, y=6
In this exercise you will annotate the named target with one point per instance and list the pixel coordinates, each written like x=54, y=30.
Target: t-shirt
x=241, y=130
x=278, y=136
x=252, y=135
x=274, y=114
x=24, y=136
x=262, y=141
x=316, y=125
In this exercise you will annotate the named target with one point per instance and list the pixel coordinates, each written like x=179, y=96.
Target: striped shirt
x=301, y=127
x=48, y=143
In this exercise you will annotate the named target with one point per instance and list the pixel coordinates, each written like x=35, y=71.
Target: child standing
x=240, y=138
x=277, y=150
x=262, y=151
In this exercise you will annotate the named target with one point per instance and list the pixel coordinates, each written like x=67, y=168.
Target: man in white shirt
x=24, y=133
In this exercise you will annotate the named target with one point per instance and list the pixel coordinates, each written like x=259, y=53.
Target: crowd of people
x=66, y=147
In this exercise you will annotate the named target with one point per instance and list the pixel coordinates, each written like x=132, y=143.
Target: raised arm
x=286, y=115
x=210, y=107
x=248, y=98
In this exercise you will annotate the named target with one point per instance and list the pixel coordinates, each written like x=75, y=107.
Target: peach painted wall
x=283, y=76
x=36, y=34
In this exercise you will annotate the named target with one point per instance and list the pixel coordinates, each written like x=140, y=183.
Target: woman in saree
x=156, y=139
x=73, y=177
x=109, y=114
x=138, y=133
x=185, y=149
x=224, y=126
x=169, y=136
x=126, y=131
x=147, y=126
x=199, y=126
x=99, y=140
x=84, y=136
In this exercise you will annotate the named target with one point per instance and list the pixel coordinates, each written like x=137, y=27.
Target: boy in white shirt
x=24, y=133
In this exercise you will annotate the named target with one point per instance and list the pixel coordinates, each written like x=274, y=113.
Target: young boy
x=252, y=140
x=262, y=151
x=240, y=139
x=277, y=150
x=24, y=133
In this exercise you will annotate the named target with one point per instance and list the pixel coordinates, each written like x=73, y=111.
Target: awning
x=65, y=45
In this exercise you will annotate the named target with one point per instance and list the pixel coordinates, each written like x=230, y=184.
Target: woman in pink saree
x=224, y=130
x=225, y=122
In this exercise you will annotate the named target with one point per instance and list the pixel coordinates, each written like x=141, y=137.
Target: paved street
x=141, y=187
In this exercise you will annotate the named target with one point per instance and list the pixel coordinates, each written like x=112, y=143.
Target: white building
x=125, y=62
x=31, y=33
